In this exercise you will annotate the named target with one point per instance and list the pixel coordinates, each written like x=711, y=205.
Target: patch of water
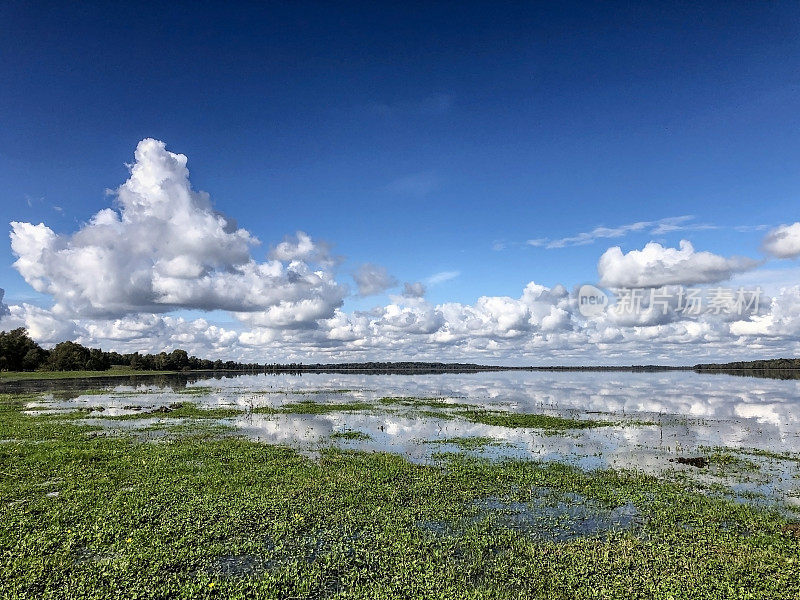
x=567, y=519
x=546, y=516
x=241, y=565
x=691, y=411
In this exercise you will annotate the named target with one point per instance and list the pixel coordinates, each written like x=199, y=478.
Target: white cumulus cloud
x=783, y=241
x=165, y=247
x=116, y=279
x=782, y=318
x=656, y=265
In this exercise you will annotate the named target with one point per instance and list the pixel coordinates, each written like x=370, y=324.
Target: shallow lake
x=748, y=428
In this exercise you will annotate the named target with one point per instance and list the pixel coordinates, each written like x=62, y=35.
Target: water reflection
x=688, y=411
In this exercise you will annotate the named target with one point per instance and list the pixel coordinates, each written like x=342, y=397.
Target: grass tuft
x=529, y=420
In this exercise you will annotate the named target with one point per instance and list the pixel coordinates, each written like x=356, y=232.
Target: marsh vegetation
x=218, y=490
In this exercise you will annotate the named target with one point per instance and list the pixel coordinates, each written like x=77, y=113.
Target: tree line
x=780, y=364
x=774, y=368
x=18, y=352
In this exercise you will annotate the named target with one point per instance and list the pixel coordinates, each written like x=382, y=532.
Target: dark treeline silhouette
x=756, y=365
x=775, y=368
x=436, y=367
x=382, y=367
x=18, y=352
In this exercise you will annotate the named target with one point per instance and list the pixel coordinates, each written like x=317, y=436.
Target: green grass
x=114, y=372
x=789, y=456
x=729, y=461
x=206, y=516
x=468, y=443
x=420, y=402
x=195, y=391
x=182, y=410
x=350, y=435
x=529, y=420
x=309, y=407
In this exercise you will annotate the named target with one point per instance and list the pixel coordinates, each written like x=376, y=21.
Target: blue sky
x=426, y=139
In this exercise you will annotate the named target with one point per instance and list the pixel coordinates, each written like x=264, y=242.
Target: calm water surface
x=690, y=413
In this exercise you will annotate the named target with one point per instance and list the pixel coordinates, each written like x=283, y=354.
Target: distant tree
x=178, y=360
x=19, y=352
x=115, y=358
x=68, y=356
x=98, y=360
x=34, y=358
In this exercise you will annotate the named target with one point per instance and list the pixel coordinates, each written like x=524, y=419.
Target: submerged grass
x=195, y=391
x=309, y=407
x=177, y=410
x=421, y=402
x=205, y=516
x=469, y=443
x=529, y=420
x=788, y=456
x=350, y=435
x=729, y=461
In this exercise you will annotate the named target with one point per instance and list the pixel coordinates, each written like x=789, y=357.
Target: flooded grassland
x=501, y=484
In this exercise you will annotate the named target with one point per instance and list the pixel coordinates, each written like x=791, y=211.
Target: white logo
x=592, y=301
